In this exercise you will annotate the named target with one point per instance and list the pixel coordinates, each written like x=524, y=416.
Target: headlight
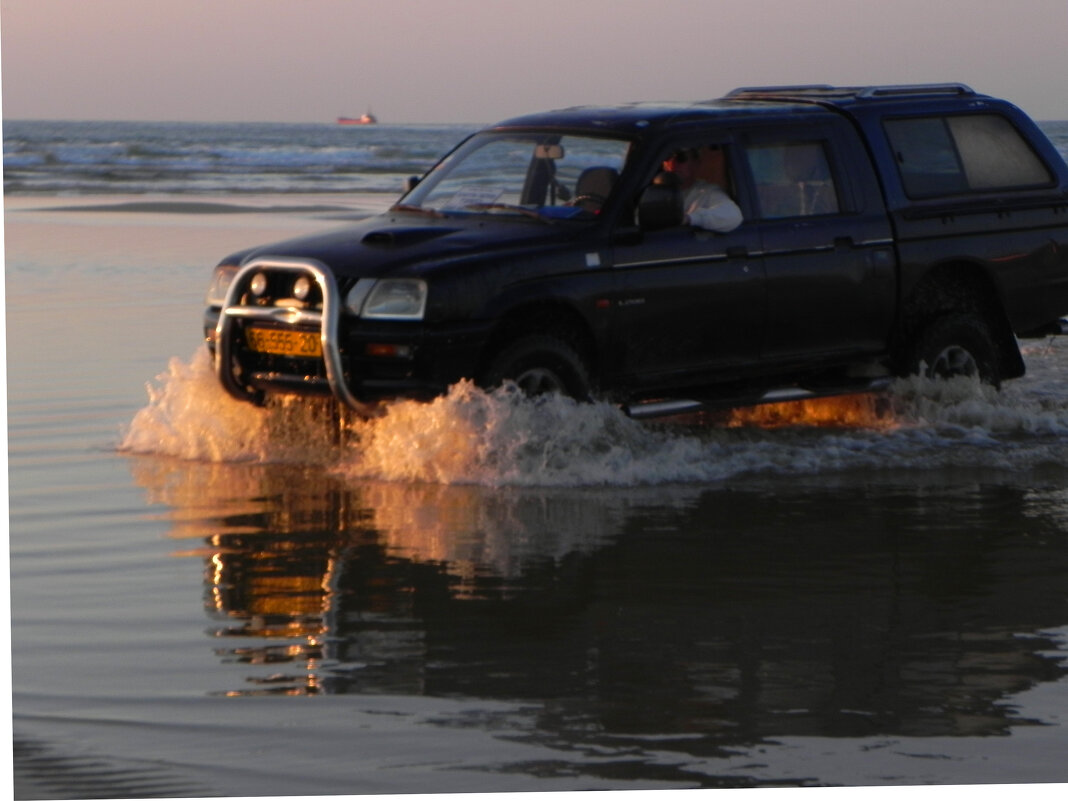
x=302, y=287
x=220, y=283
x=388, y=299
x=258, y=284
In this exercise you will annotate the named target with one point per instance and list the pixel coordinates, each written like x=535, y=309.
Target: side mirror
x=660, y=205
x=411, y=182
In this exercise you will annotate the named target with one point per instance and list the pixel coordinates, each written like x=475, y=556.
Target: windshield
x=551, y=176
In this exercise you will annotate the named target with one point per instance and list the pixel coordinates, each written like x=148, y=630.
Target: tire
x=540, y=364
x=957, y=344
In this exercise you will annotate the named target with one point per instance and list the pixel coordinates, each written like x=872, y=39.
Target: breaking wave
x=501, y=438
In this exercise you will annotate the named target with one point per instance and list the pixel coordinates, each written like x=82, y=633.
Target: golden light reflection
x=316, y=586
x=847, y=411
x=312, y=581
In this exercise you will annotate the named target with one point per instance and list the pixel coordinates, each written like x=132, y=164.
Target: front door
x=693, y=305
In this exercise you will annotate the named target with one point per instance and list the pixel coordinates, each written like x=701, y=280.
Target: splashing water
x=470, y=436
x=190, y=416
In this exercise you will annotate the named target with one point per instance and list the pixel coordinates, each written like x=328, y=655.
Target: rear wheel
x=958, y=344
x=540, y=364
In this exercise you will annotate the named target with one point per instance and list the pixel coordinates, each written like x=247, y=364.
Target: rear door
x=825, y=238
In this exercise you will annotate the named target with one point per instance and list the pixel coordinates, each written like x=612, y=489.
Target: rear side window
x=792, y=179
x=952, y=155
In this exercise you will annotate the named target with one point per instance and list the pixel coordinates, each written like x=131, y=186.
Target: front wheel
x=540, y=364
x=957, y=345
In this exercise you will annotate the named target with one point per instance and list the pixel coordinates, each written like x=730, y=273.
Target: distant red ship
x=366, y=119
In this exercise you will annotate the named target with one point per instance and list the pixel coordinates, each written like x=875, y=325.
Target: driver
x=705, y=204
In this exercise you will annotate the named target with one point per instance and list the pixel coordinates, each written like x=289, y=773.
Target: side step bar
x=672, y=406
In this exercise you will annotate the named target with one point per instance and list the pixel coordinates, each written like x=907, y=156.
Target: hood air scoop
x=401, y=237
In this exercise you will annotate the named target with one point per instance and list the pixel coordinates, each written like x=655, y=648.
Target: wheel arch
x=553, y=317
x=952, y=288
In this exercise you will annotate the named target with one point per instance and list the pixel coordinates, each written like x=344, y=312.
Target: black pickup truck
x=870, y=232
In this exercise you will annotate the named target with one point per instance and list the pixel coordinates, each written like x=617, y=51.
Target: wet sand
x=838, y=603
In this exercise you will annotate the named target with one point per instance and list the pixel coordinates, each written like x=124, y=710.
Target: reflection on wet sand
x=702, y=617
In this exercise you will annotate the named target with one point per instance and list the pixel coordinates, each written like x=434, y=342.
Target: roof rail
x=916, y=89
x=776, y=90
x=840, y=93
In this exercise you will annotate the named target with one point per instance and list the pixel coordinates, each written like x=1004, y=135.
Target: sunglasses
x=683, y=156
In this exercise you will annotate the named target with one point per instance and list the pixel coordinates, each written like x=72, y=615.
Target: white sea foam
x=470, y=436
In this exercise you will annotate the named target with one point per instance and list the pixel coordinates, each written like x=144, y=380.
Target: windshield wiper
x=416, y=209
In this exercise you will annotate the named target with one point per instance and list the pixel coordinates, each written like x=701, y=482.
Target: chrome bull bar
x=326, y=320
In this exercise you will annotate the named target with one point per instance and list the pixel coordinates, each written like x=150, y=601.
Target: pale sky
x=474, y=61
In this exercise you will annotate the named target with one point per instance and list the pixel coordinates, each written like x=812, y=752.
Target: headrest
x=596, y=181
x=660, y=205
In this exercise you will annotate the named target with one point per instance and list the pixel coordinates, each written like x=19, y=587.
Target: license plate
x=284, y=343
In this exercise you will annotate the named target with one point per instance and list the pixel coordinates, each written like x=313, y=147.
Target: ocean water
x=90, y=158
x=482, y=593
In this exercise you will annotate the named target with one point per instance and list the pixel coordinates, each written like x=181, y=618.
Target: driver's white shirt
x=707, y=206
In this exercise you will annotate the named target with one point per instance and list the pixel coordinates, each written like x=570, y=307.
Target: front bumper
x=362, y=361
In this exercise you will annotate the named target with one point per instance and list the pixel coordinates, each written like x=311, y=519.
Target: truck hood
x=404, y=242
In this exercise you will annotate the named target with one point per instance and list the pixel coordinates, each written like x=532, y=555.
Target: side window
x=966, y=153
x=793, y=179
x=700, y=174
x=926, y=157
x=994, y=154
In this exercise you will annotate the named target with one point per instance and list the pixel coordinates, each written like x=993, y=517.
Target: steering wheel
x=590, y=199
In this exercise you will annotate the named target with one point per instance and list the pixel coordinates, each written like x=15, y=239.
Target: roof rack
x=917, y=89
x=860, y=93
x=780, y=90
